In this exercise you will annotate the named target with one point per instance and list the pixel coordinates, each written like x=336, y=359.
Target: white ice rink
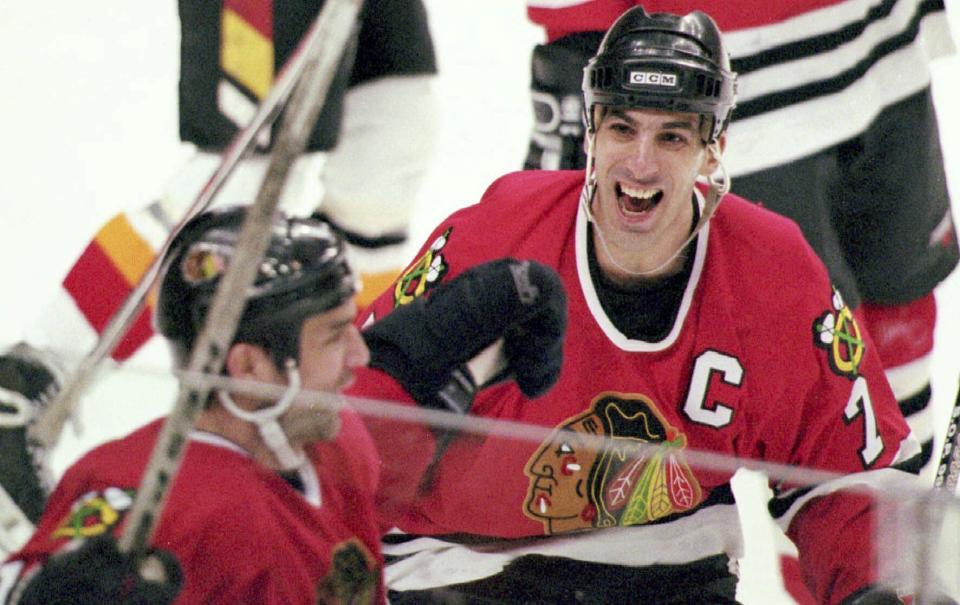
x=90, y=128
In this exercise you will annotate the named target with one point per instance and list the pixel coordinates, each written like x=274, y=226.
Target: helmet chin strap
x=266, y=420
x=717, y=189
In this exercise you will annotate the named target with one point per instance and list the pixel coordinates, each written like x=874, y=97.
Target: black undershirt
x=644, y=311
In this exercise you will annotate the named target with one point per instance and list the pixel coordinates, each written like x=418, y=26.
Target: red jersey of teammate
x=241, y=532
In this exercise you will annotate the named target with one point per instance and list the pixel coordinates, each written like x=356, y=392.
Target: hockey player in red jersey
x=230, y=52
x=253, y=517
x=697, y=321
x=274, y=502
x=824, y=86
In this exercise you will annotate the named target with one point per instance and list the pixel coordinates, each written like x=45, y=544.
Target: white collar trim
x=593, y=301
x=308, y=474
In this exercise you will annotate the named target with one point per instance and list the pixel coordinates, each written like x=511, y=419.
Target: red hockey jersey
x=763, y=361
x=241, y=533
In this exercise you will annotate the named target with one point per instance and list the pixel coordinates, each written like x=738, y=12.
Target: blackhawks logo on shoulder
x=94, y=513
x=837, y=332
x=424, y=274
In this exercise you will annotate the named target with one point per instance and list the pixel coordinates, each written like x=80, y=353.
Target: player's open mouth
x=635, y=201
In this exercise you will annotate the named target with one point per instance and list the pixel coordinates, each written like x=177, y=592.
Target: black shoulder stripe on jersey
x=914, y=464
x=831, y=40
x=926, y=453
x=916, y=403
x=780, y=504
x=799, y=94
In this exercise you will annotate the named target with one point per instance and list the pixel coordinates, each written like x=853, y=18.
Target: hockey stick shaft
x=335, y=25
x=948, y=470
x=930, y=513
x=46, y=431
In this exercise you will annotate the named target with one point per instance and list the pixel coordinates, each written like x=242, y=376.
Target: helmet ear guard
x=666, y=62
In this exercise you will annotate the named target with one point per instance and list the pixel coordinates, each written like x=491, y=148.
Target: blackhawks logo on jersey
x=352, y=579
x=594, y=470
x=837, y=332
x=95, y=513
x=425, y=273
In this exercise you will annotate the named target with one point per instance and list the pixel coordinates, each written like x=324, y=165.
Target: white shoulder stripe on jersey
x=757, y=142
x=829, y=64
x=831, y=18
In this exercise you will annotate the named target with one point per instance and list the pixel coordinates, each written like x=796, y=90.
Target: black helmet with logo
x=663, y=61
x=303, y=272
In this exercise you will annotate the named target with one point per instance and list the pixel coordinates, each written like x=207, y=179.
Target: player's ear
x=249, y=362
x=722, y=142
x=711, y=160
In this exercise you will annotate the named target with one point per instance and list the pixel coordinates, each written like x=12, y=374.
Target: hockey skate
x=29, y=378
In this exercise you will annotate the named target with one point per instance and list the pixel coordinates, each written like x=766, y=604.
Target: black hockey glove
x=98, y=573
x=426, y=344
x=29, y=379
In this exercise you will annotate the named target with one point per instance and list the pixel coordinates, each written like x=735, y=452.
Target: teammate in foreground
x=247, y=496
x=274, y=500
x=834, y=128
x=691, y=325
x=354, y=175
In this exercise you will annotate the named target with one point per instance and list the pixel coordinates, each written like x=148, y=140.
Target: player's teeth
x=639, y=193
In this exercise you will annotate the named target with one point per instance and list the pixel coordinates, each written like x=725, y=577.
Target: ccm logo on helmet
x=653, y=78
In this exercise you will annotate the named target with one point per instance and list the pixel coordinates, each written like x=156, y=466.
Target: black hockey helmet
x=303, y=272
x=663, y=61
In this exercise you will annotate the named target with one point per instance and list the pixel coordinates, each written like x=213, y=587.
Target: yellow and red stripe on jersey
x=246, y=44
x=108, y=270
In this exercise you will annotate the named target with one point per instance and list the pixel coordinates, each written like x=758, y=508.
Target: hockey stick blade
x=335, y=25
x=47, y=429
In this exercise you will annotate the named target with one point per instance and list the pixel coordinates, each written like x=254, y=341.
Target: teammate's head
x=303, y=272
x=666, y=62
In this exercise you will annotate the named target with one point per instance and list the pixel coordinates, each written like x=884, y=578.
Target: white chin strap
x=266, y=420
x=718, y=188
